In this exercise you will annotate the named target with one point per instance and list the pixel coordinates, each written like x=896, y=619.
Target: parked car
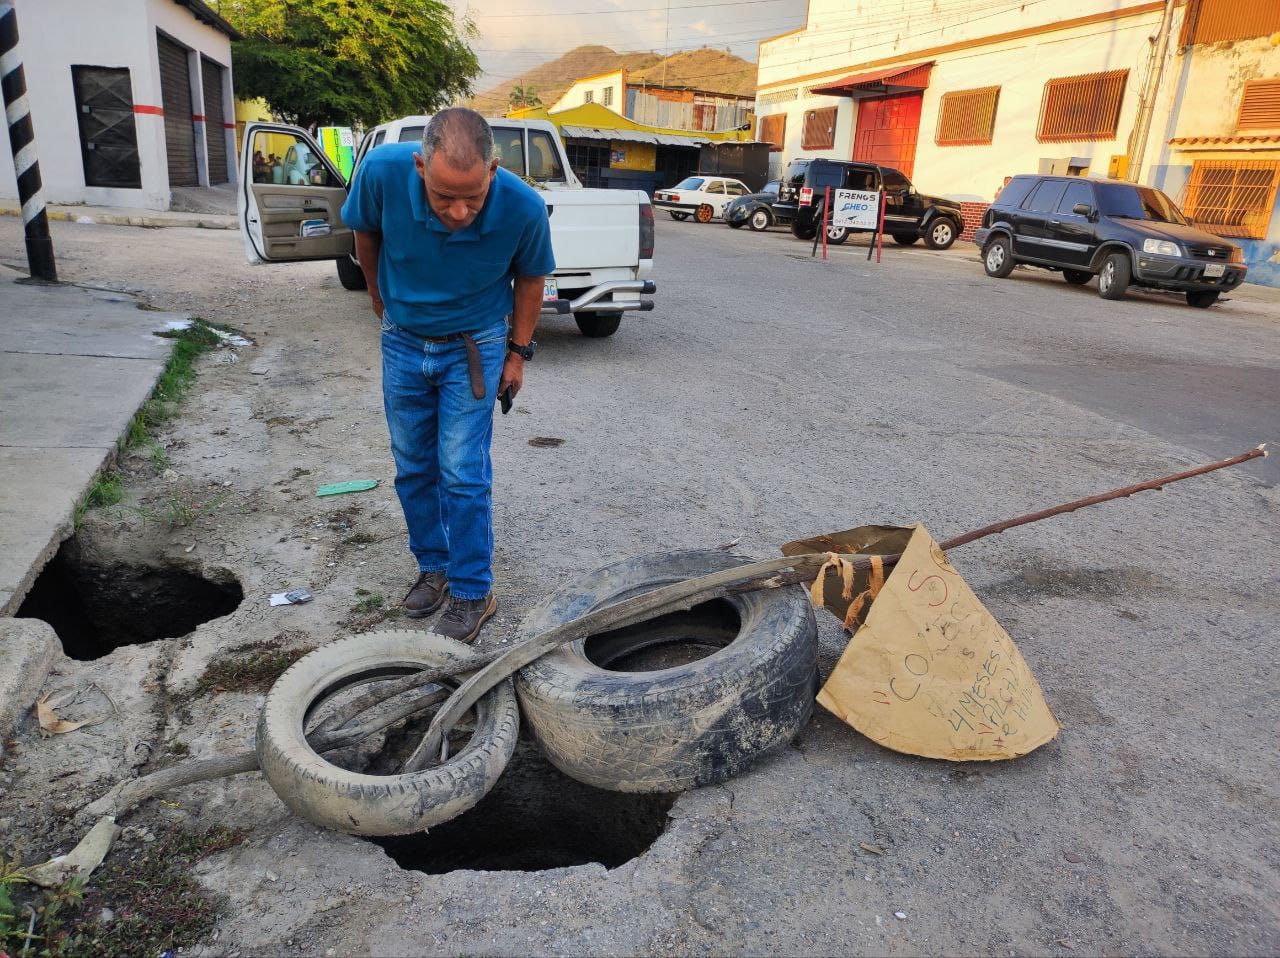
x=909, y=215
x=754, y=209
x=603, y=239
x=703, y=197
x=1123, y=233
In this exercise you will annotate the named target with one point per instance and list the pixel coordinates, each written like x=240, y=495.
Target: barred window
x=607, y=98
x=819, y=131
x=1085, y=107
x=1232, y=197
x=967, y=117
x=588, y=96
x=1216, y=21
x=777, y=96
x=1260, y=105
x=773, y=130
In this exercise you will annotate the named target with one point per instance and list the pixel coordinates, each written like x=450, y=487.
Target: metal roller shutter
x=179, y=128
x=214, y=120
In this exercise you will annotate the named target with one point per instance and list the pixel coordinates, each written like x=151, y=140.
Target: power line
x=598, y=11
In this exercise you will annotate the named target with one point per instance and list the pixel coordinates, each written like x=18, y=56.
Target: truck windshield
x=1137, y=203
x=690, y=183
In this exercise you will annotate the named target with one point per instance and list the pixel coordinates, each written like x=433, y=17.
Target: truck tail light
x=806, y=196
x=646, y=231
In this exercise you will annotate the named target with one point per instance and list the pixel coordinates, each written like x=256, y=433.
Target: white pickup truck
x=603, y=239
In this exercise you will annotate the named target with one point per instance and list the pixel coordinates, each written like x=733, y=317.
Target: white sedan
x=701, y=197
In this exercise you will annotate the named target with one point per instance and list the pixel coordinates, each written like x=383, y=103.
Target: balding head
x=461, y=137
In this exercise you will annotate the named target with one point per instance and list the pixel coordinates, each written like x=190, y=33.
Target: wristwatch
x=526, y=352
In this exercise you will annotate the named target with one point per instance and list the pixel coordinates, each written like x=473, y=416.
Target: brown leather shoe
x=426, y=596
x=464, y=618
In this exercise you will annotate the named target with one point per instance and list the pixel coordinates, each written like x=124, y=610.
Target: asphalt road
x=769, y=397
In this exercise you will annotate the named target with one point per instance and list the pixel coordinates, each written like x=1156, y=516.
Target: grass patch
x=248, y=668
x=370, y=603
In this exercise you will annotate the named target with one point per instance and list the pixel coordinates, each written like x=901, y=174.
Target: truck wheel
x=333, y=797
x=597, y=325
x=941, y=233
x=667, y=729
x=997, y=257
x=704, y=213
x=803, y=232
x=1202, y=299
x=350, y=275
x=678, y=216
x=1113, y=278
x=905, y=239
x=1077, y=277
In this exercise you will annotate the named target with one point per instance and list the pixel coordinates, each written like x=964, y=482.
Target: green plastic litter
x=338, y=488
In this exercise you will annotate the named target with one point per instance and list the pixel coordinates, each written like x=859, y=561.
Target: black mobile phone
x=504, y=399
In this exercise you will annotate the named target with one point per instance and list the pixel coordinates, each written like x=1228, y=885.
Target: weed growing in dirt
x=184, y=507
x=371, y=602
x=252, y=667
x=369, y=610
x=107, y=489
x=32, y=923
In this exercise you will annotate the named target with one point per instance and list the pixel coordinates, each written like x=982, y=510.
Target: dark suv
x=908, y=214
x=1124, y=233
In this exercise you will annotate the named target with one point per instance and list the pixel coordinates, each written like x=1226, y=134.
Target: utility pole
x=22, y=141
x=1147, y=104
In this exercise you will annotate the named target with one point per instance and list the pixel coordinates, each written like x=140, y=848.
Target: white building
x=129, y=98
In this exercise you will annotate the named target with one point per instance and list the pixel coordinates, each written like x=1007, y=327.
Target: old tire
x=760, y=220
x=704, y=213
x=803, y=232
x=735, y=226
x=1202, y=299
x=350, y=275
x=997, y=257
x=597, y=325
x=1113, y=278
x=359, y=804
x=941, y=233
x=1077, y=277
x=905, y=239
x=678, y=216
x=675, y=728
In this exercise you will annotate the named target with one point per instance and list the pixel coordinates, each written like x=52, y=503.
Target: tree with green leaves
x=524, y=96
x=350, y=61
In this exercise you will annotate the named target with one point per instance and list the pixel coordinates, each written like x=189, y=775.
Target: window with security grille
x=1232, y=197
x=1085, y=107
x=1260, y=105
x=967, y=117
x=588, y=96
x=819, y=129
x=1219, y=21
x=607, y=98
x=108, y=138
x=773, y=130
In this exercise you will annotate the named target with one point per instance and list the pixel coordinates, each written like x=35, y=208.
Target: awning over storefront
x=879, y=82
x=630, y=136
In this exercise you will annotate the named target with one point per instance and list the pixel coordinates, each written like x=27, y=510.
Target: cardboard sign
x=854, y=209
x=931, y=672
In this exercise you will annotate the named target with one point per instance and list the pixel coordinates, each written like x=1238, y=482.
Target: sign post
x=859, y=210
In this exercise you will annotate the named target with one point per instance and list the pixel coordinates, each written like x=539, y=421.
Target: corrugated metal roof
x=890, y=79
x=629, y=136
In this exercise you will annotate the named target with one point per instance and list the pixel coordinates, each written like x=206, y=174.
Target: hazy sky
x=517, y=35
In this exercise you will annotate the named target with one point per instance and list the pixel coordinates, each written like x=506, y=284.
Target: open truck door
x=290, y=198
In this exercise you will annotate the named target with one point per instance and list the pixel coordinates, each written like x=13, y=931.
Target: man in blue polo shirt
x=452, y=245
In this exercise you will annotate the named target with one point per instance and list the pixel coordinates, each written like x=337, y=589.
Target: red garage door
x=887, y=130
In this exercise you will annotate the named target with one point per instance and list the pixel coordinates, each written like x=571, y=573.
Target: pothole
x=97, y=605
x=667, y=641
x=537, y=818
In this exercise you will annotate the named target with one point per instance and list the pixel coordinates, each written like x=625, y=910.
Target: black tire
x=997, y=257
x=941, y=233
x=674, y=728
x=359, y=804
x=836, y=235
x=735, y=225
x=1202, y=299
x=1114, y=276
x=704, y=213
x=597, y=325
x=760, y=220
x=350, y=275
x=678, y=216
x=905, y=239
x=803, y=232
x=1077, y=277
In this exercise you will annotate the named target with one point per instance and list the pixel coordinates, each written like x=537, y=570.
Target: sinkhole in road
x=667, y=641
x=98, y=603
x=536, y=818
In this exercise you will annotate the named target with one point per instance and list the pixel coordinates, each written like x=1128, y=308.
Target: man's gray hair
x=461, y=136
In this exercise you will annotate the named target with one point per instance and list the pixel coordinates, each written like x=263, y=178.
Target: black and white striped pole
x=22, y=140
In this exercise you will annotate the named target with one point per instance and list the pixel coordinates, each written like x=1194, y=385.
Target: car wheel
x=704, y=213
x=803, y=232
x=760, y=220
x=597, y=325
x=1077, y=277
x=350, y=275
x=905, y=239
x=678, y=216
x=628, y=711
x=941, y=234
x=734, y=225
x=1202, y=299
x=836, y=235
x=997, y=257
x=1113, y=278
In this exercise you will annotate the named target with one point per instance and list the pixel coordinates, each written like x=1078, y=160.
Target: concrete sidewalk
x=126, y=216
x=75, y=365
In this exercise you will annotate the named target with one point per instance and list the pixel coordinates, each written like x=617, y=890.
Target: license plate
x=550, y=293
x=1213, y=270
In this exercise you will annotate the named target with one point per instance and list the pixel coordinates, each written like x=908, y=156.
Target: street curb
x=29, y=645
x=194, y=221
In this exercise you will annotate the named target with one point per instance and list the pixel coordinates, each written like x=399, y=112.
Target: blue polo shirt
x=435, y=282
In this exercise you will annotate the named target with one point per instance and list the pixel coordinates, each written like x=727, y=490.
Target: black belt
x=474, y=368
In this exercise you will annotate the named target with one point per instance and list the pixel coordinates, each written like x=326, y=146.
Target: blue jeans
x=440, y=435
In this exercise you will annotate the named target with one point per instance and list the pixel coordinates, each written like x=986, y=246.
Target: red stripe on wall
x=229, y=126
x=198, y=117
x=152, y=110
